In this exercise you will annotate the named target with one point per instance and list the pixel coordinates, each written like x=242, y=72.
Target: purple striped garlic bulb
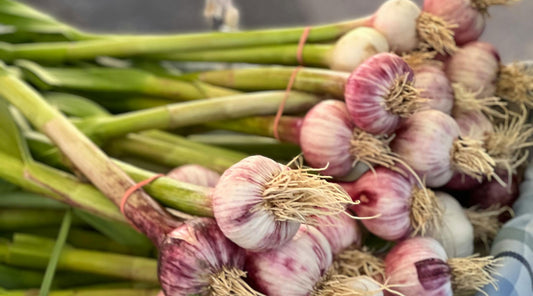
x=467, y=15
x=399, y=207
x=331, y=141
x=195, y=174
x=196, y=258
x=341, y=232
x=431, y=144
x=380, y=93
x=433, y=84
x=293, y=269
x=420, y=266
x=259, y=204
x=475, y=67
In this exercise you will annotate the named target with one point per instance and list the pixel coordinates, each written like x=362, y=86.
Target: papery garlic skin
x=470, y=22
x=367, y=89
x=354, y=47
x=456, y=234
x=294, y=268
x=190, y=252
x=236, y=200
x=475, y=66
x=365, y=285
x=434, y=86
x=341, y=232
x=397, y=20
x=474, y=124
x=417, y=267
x=195, y=174
x=325, y=138
x=385, y=195
x=425, y=143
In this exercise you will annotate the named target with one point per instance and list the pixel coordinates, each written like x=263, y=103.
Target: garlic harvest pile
x=388, y=173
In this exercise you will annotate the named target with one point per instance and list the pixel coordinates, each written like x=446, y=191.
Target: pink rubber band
x=135, y=187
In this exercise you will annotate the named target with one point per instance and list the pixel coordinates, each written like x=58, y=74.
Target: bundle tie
x=299, y=58
x=134, y=188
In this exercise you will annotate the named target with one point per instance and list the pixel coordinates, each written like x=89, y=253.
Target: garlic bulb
x=259, y=203
x=195, y=174
x=407, y=28
x=341, y=232
x=294, y=268
x=419, y=266
x=354, y=47
x=398, y=207
x=469, y=20
x=435, y=87
x=380, y=92
x=475, y=67
x=430, y=142
x=331, y=141
x=455, y=233
x=196, y=258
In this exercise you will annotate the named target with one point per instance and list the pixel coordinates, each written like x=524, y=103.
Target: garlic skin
x=474, y=124
x=456, y=234
x=470, y=22
x=325, y=138
x=434, y=86
x=191, y=251
x=366, y=284
x=368, y=89
x=397, y=20
x=385, y=193
x=294, y=268
x=418, y=267
x=425, y=142
x=341, y=232
x=354, y=47
x=238, y=193
x=475, y=66
x=195, y=174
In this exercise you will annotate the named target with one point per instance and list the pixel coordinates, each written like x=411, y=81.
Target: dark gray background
x=510, y=29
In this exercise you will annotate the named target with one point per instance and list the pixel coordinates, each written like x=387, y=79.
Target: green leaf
x=6, y=187
x=12, y=141
x=23, y=199
x=118, y=232
x=52, y=264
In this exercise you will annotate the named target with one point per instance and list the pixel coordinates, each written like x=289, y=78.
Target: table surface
x=510, y=28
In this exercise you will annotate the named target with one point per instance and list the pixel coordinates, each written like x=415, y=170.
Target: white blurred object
x=222, y=15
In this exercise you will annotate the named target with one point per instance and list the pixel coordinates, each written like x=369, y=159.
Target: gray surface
x=510, y=29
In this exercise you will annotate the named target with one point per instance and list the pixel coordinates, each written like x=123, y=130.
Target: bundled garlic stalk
x=300, y=268
x=420, y=266
x=259, y=204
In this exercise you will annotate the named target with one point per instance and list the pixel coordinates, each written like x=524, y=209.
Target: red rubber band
x=282, y=104
x=135, y=187
x=299, y=58
x=301, y=44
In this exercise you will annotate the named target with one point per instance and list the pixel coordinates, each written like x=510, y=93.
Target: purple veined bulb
x=380, y=93
x=435, y=87
x=475, y=67
x=331, y=141
x=196, y=258
x=420, y=266
x=195, y=174
x=431, y=144
x=259, y=204
x=294, y=268
x=399, y=207
x=341, y=231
